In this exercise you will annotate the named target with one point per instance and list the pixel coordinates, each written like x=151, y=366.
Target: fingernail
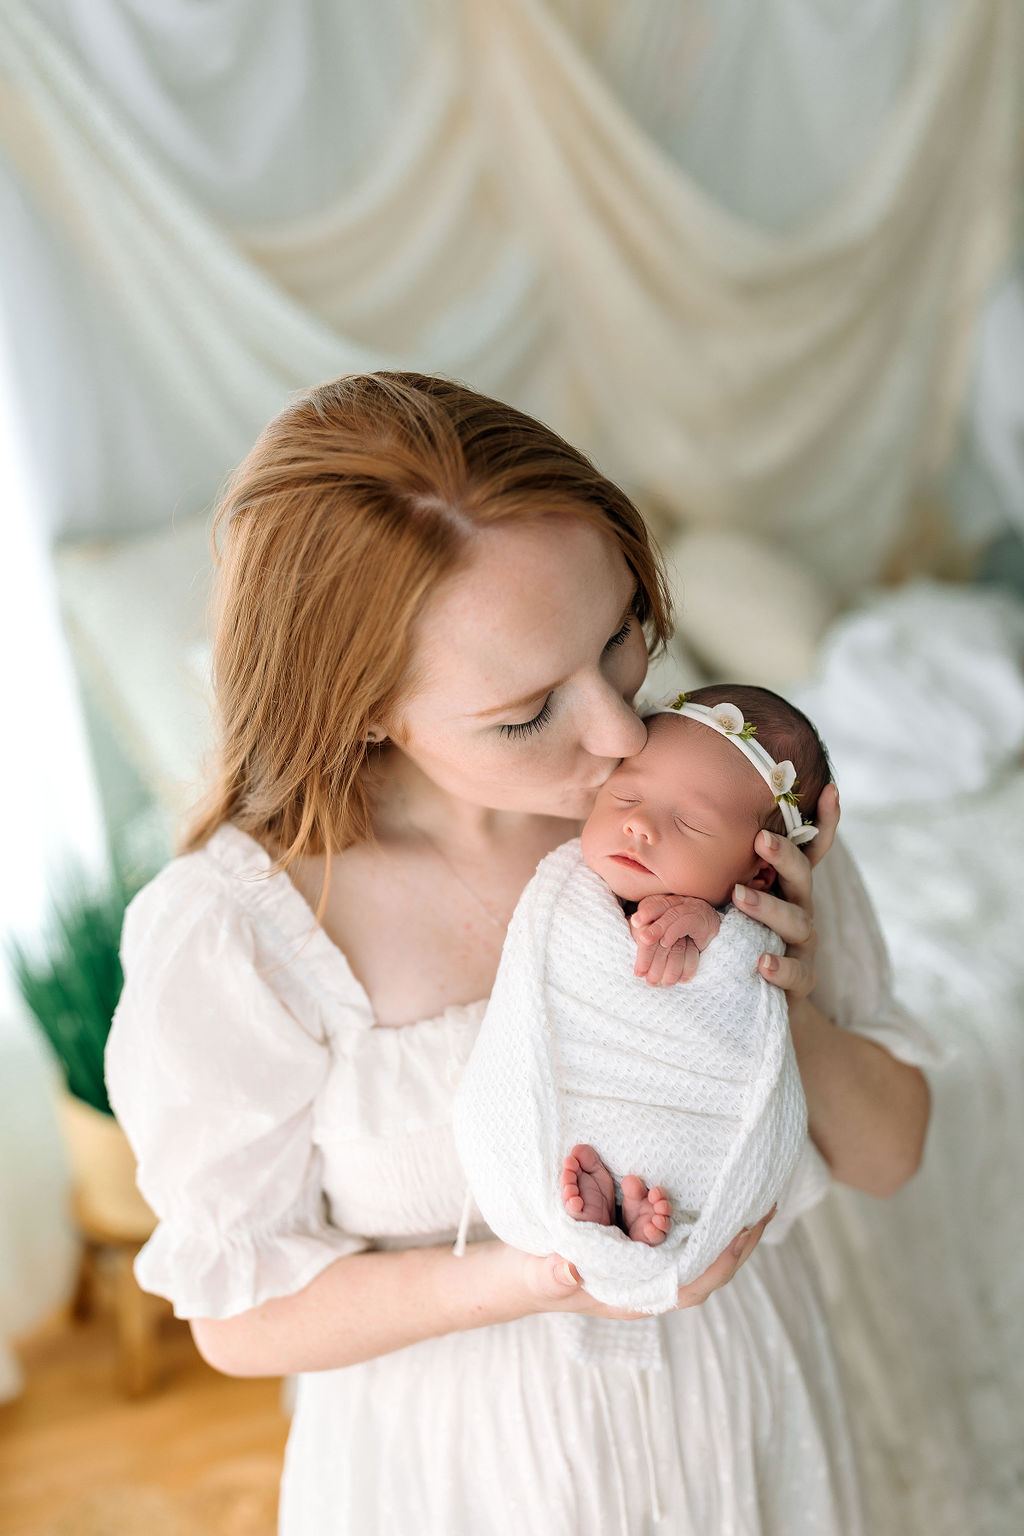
x=769, y=964
x=739, y=1243
x=770, y=842
x=566, y=1274
x=772, y=1213
x=748, y=897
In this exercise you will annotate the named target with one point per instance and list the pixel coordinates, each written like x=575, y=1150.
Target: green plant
x=72, y=985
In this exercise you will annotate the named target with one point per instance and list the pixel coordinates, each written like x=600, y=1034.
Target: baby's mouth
x=629, y=862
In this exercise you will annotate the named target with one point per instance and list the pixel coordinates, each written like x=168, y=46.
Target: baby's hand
x=670, y=932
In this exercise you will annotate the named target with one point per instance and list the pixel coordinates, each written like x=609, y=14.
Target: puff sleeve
x=214, y=1080
x=854, y=975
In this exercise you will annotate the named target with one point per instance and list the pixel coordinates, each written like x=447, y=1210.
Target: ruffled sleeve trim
x=206, y=1272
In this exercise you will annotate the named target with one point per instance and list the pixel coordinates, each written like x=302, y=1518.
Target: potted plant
x=71, y=987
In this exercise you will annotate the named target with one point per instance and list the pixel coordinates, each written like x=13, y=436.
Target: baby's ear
x=763, y=877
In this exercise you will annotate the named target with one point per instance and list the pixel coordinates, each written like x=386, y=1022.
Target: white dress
x=277, y=1129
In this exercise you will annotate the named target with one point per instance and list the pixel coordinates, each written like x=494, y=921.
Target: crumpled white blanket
x=693, y=1087
x=920, y=694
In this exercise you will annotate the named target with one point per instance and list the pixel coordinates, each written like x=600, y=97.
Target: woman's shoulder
x=214, y=884
x=224, y=907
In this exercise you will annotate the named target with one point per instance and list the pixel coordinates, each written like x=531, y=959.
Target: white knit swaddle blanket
x=693, y=1087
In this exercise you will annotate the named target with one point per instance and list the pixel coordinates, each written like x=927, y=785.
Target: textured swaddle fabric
x=693, y=1087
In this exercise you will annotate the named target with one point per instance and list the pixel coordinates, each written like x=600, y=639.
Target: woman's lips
x=629, y=862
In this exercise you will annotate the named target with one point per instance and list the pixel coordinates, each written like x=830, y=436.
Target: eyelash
x=527, y=727
x=622, y=636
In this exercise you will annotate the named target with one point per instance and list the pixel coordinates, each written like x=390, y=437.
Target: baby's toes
x=633, y=1189
x=571, y=1197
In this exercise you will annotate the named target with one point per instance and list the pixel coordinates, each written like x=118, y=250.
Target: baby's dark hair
x=785, y=732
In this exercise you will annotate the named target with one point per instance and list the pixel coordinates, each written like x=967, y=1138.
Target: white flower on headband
x=782, y=778
x=803, y=834
x=728, y=717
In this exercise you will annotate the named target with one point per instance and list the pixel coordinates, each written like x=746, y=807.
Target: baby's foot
x=646, y=1213
x=588, y=1189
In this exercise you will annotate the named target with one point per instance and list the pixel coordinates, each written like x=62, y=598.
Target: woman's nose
x=614, y=729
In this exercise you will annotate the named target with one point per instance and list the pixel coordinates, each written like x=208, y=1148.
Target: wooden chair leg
x=84, y=1297
x=136, y=1329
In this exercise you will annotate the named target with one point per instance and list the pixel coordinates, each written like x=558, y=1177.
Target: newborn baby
x=686, y=1098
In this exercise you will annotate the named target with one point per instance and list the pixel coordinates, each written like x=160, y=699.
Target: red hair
x=351, y=507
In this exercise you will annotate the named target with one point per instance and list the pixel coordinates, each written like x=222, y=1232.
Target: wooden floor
x=200, y=1456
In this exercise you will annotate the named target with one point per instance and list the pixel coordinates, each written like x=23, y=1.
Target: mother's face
x=526, y=665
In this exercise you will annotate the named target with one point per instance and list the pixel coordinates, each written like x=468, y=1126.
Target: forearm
x=366, y=1305
x=867, y=1112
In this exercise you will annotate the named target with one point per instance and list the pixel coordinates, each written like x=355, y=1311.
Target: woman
x=434, y=619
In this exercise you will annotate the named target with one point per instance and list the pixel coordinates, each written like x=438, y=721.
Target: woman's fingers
x=791, y=921
x=796, y=977
x=725, y=1266
x=551, y=1278
x=790, y=863
x=826, y=818
x=556, y=1284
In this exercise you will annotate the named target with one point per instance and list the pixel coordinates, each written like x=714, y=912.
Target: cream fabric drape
x=509, y=221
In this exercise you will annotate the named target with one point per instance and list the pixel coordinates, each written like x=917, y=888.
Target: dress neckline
x=260, y=887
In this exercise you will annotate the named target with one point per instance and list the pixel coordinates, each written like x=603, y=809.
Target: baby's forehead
x=673, y=738
x=674, y=748
x=684, y=753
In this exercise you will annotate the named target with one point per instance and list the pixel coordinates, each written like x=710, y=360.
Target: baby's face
x=681, y=816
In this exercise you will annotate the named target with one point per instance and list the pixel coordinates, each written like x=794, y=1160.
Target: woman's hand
x=553, y=1284
x=791, y=915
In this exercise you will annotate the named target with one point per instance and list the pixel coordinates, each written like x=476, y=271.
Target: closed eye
x=620, y=636
x=527, y=727
x=689, y=827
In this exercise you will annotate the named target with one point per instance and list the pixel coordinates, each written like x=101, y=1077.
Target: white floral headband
x=728, y=721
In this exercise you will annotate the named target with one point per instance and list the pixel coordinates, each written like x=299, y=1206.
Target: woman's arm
x=364, y=1305
x=368, y=1304
x=867, y=1112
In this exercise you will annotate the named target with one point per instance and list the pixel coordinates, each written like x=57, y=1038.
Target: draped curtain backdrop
x=739, y=252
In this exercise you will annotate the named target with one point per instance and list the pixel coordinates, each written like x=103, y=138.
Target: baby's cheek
x=589, y=840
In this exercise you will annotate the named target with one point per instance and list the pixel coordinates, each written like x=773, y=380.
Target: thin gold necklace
x=446, y=861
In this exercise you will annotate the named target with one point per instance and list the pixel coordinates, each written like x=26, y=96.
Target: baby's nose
x=639, y=826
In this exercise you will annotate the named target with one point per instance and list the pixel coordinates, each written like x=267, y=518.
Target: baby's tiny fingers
x=675, y=966
x=649, y=933
x=660, y=958
x=644, y=956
